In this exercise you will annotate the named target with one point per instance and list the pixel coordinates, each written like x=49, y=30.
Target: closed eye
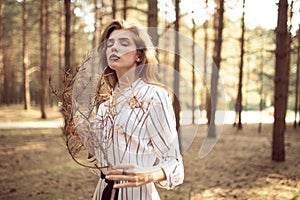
x=109, y=43
x=124, y=41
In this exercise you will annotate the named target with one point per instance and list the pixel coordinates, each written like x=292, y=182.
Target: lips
x=114, y=57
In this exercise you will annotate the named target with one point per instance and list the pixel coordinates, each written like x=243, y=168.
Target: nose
x=114, y=48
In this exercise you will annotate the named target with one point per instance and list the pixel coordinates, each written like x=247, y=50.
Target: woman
x=135, y=129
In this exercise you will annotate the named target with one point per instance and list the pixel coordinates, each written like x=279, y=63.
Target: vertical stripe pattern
x=140, y=129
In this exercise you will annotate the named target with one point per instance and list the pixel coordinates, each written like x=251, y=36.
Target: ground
x=34, y=164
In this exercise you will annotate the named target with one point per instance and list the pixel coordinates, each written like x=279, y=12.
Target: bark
x=261, y=90
x=8, y=80
x=26, y=86
x=68, y=67
x=8, y=65
x=176, y=103
x=206, y=95
x=124, y=9
x=74, y=37
x=296, y=108
x=60, y=47
x=44, y=29
x=1, y=58
x=218, y=26
x=95, y=41
x=153, y=20
x=193, y=71
x=114, y=9
x=240, y=85
x=281, y=82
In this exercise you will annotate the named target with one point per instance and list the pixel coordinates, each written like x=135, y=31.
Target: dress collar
x=120, y=95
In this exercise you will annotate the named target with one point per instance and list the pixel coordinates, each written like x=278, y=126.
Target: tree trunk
x=49, y=67
x=218, y=27
x=261, y=90
x=44, y=26
x=7, y=82
x=124, y=9
x=176, y=103
x=68, y=67
x=95, y=41
x=281, y=82
x=1, y=58
x=26, y=87
x=296, y=109
x=239, y=102
x=60, y=47
x=114, y=8
x=206, y=96
x=42, y=50
x=153, y=21
x=193, y=71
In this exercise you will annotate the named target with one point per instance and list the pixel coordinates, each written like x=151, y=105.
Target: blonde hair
x=148, y=65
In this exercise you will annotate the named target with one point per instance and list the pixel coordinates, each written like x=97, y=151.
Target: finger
x=123, y=178
x=123, y=172
x=124, y=166
x=114, y=172
x=127, y=184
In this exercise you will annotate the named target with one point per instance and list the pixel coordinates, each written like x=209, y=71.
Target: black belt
x=107, y=192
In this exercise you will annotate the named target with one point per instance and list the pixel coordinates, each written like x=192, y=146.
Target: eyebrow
x=120, y=39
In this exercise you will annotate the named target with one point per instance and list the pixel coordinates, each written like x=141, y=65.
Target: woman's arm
x=161, y=127
x=134, y=176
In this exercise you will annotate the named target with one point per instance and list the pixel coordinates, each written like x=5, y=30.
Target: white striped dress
x=139, y=129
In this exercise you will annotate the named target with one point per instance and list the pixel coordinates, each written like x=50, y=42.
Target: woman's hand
x=134, y=176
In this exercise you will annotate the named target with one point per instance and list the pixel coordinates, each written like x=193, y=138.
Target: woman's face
x=121, y=51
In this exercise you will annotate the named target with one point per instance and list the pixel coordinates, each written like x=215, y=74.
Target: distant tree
x=193, y=32
x=60, y=44
x=114, y=8
x=153, y=20
x=68, y=67
x=206, y=95
x=297, y=106
x=125, y=9
x=74, y=36
x=96, y=13
x=11, y=11
x=281, y=81
x=44, y=32
x=1, y=56
x=176, y=103
x=261, y=89
x=218, y=28
x=193, y=69
x=239, y=101
x=26, y=87
x=67, y=55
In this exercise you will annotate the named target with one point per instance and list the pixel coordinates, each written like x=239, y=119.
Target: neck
x=125, y=80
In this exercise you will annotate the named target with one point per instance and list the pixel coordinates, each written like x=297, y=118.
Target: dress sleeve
x=164, y=138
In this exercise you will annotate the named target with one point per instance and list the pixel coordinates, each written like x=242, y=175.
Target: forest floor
x=34, y=164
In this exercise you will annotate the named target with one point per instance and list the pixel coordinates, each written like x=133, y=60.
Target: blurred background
x=43, y=39
x=253, y=44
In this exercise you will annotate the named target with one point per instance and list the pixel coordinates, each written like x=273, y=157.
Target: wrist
x=157, y=176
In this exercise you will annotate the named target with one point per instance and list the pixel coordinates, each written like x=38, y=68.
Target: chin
x=113, y=66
